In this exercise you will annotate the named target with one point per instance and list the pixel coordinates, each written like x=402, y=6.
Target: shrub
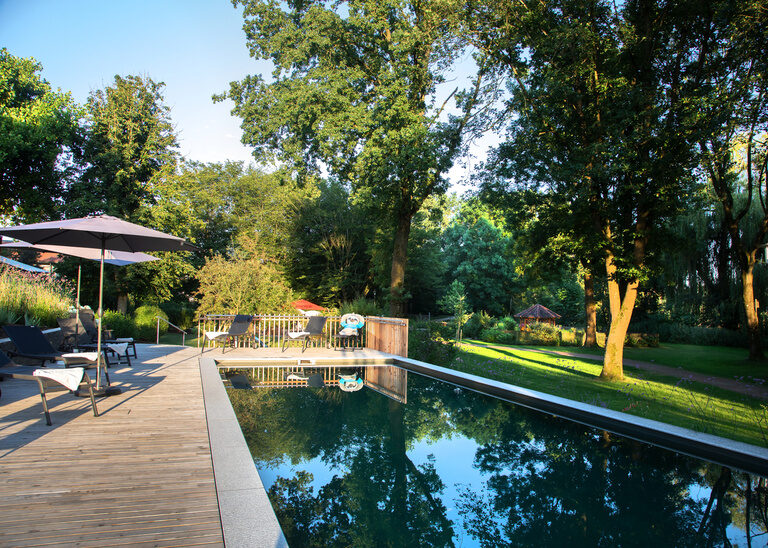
x=431, y=342
x=688, y=334
x=120, y=324
x=642, y=340
x=497, y=334
x=146, y=321
x=181, y=314
x=571, y=337
x=541, y=333
x=507, y=323
x=477, y=322
x=361, y=306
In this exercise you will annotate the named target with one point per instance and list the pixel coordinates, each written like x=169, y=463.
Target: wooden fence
x=268, y=330
x=387, y=335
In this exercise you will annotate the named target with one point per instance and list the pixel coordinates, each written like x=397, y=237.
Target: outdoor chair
x=31, y=343
x=350, y=332
x=313, y=330
x=76, y=337
x=88, y=322
x=240, y=327
x=71, y=379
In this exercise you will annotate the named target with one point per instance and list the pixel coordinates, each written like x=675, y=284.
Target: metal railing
x=269, y=330
x=183, y=333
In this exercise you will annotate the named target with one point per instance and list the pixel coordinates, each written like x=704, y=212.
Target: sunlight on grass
x=679, y=402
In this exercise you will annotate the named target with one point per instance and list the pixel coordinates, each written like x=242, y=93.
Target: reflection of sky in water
x=454, y=460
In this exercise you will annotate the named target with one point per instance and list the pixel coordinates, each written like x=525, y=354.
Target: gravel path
x=756, y=389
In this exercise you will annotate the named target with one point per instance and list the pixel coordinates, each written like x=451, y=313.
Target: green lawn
x=721, y=361
x=175, y=338
x=683, y=403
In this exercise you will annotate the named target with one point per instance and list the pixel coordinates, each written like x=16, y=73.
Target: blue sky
x=196, y=47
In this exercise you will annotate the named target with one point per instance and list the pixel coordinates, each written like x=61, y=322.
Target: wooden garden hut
x=536, y=313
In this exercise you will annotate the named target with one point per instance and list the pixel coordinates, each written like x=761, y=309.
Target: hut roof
x=302, y=304
x=538, y=312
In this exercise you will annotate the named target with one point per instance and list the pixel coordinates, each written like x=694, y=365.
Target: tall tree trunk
x=621, y=314
x=748, y=299
x=122, y=303
x=590, y=307
x=399, y=260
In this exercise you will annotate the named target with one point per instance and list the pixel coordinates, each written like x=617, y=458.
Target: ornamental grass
x=36, y=299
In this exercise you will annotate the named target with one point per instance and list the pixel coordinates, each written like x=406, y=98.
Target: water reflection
x=359, y=469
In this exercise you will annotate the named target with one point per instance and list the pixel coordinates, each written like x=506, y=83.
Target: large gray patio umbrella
x=100, y=232
x=116, y=258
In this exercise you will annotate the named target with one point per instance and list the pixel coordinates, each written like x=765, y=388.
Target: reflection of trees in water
x=549, y=481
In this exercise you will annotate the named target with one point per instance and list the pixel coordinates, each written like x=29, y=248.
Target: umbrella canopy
x=97, y=232
x=100, y=232
x=22, y=266
x=117, y=258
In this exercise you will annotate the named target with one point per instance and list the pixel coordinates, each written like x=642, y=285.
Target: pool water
x=456, y=468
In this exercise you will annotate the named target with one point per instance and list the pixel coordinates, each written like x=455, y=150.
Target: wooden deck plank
x=138, y=475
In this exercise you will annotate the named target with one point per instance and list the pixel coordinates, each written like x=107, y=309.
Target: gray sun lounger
x=75, y=336
x=10, y=370
x=313, y=330
x=240, y=327
x=31, y=343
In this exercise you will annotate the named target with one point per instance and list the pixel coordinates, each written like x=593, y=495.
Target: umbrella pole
x=101, y=298
x=77, y=304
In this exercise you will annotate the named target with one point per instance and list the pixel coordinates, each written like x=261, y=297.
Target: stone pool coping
x=247, y=516
x=735, y=454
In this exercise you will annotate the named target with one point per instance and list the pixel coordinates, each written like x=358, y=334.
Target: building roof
x=538, y=312
x=302, y=304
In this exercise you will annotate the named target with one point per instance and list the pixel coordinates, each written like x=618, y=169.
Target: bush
x=361, y=306
x=145, y=318
x=507, y=323
x=642, y=340
x=120, y=324
x=477, y=323
x=431, y=342
x=181, y=314
x=688, y=334
x=571, y=337
x=497, y=334
x=541, y=334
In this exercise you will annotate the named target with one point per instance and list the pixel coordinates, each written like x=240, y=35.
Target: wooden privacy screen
x=389, y=380
x=387, y=335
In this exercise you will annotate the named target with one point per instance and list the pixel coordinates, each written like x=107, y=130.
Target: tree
x=355, y=91
x=328, y=255
x=478, y=254
x=733, y=143
x=455, y=302
x=603, y=123
x=246, y=283
x=129, y=142
x=38, y=129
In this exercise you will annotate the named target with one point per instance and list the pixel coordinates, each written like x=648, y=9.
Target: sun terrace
x=187, y=452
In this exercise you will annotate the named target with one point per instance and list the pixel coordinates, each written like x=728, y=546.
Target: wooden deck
x=138, y=475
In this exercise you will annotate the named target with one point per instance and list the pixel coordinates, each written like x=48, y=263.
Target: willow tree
x=356, y=93
x=733, y=143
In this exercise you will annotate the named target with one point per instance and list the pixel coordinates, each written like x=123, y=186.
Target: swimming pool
x=454, y=467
